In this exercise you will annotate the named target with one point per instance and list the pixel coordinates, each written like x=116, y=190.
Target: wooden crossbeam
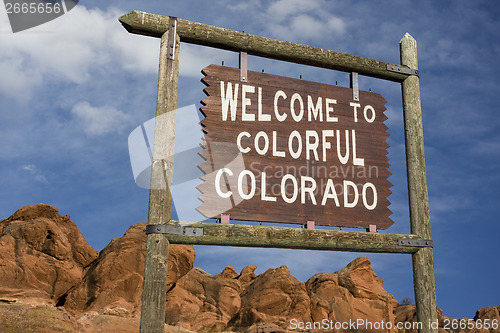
x=155, y=25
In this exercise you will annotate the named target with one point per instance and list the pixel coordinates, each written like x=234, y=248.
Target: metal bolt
x=171, y=54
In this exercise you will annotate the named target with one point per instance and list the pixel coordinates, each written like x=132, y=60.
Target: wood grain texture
x=221, y=151
x=423, y=262
x=155, y=25
x=293, y=238
x=160, y=195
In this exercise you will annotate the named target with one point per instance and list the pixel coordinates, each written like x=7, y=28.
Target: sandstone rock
x=42, y=255
x=493, y=314
x=203, y=303
x=113, y=283
x=228, y=273
x=274, y=297
x=247, y=275
x=355, y=292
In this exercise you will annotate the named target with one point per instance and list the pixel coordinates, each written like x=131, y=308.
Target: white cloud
x=69, y=49
x=291, y=20
x=35, y=172
x=306, y=26
x=282, y=9
x=300, y=19
x=100, y=120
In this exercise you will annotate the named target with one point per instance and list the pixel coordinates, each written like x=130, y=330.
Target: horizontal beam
x=155, y=25
x=292, y=238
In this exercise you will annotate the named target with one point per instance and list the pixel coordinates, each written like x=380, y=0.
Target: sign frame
x=418, y=243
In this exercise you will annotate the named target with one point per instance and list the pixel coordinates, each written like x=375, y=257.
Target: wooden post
x=160, y=195
x=423, y=262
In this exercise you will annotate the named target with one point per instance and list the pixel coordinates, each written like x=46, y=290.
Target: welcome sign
x=285, y=150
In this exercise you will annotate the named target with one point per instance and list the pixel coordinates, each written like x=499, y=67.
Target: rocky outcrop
x=201, y=302
x=53, y=281
x=492, y=313
x=274, y=297
x=271, y=300
x=43, y=255
x=113, y=283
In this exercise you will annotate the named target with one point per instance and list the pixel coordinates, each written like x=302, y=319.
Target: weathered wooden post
x=423, y=262
x=160, y=194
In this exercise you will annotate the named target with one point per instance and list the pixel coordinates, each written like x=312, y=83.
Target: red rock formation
x=273, y=297
x=492, y=314
x=355, y=292
x=42, y=255
x=113, y=283
x=201, y=302
x=45, y=261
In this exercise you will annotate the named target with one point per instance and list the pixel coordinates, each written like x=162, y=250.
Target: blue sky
x=73, y=89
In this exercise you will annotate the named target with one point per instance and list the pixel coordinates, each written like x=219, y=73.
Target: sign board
x=285, y=150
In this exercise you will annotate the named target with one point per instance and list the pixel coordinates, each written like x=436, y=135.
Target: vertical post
x=423, y=262
x=160, y=195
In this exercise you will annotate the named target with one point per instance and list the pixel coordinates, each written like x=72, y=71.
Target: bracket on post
x=372, y=228
x=243, y=67
x=310, y=225
x=402, y=69
x=172, y=31
x=416, y=242
x=173, y=230
x=224, y=218
x=354, y=86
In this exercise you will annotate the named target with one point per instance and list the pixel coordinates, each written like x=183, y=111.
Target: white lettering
x=372, y=110
x=275, y=150
x=296, y=97
x=261, y=116
x=280, y=117
x=329, y=109
x=347, y=184
x=228, y=100
x=251, y=193
x=263, y=195
x=314, y=110
x=330, y=192
x=246, y=102
x=326, y=144
x=218, y=175
x=238, y=142
x=355, y=110
x=309, y=190
x=374, y=190
x=264, y=150
x=284, y=188
x=295, y=154
x=355, y=159
x=312, y=146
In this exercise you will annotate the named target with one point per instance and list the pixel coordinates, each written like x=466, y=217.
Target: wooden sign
x=286, y=150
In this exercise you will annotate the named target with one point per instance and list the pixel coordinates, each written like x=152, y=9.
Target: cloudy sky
x=73, y=89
